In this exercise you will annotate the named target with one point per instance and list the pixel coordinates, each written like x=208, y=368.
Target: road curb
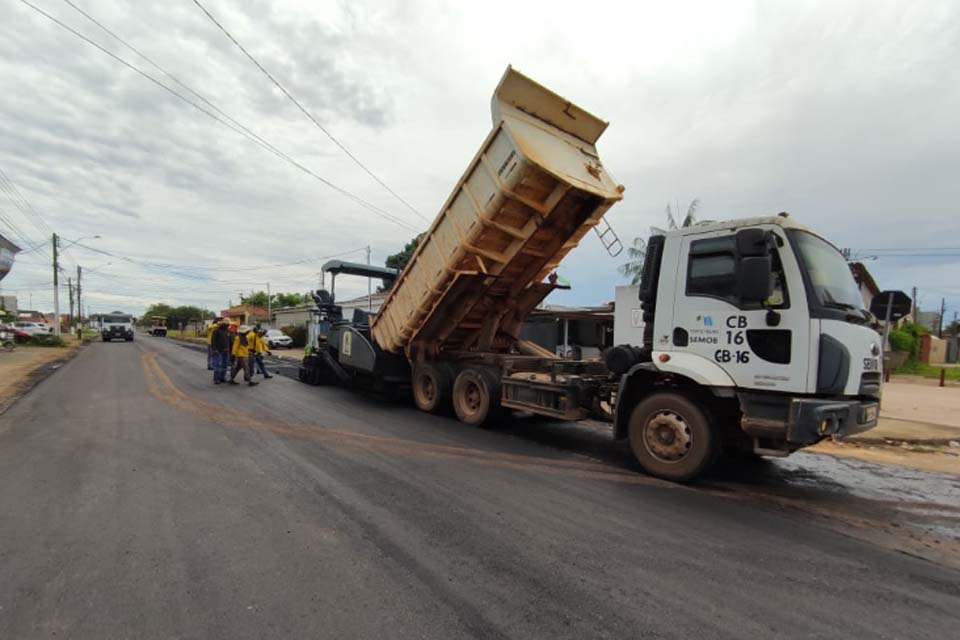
x=38, y=375
x=896, y=442
x=196, y=346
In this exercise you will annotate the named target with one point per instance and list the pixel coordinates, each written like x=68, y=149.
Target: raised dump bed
x=527, y=198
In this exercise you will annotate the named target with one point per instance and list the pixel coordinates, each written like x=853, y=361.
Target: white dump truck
x=116, y=326
x=755, y=339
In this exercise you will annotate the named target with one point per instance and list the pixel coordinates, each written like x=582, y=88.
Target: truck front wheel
x=671, y=437
x=476, y=396
x=432, y=385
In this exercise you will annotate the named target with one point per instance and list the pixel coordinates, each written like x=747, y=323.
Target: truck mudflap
x=805, y=421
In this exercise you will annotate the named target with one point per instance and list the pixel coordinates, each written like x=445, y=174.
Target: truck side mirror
x=754, y=242
x=755, y=279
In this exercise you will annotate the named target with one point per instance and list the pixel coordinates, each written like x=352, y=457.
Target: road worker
x=221, y=343
x=241, y=354
x=211, y=358
x=261, y=348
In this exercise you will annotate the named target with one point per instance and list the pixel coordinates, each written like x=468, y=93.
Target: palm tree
x=633, y=269
x=688, y=220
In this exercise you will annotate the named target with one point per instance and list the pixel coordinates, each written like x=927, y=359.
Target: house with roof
x=868, y=286
x=246, y=314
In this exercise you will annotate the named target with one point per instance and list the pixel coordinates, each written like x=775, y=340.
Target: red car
x=19, y=335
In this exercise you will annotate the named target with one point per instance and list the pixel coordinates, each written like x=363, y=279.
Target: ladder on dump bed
x=608, y=237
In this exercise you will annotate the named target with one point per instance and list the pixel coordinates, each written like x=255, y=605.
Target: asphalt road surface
x=140, y=501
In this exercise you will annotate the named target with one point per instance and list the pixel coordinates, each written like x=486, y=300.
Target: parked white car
x=277, y=338
x=33, y=328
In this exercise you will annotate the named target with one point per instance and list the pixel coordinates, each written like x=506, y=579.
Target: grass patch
x=46, y=340
x=917, y=368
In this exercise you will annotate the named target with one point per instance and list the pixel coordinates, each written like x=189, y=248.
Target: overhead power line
x=21, y=204
x=245, y=133
x=36, y=218
x=179, y=269
x=307, y=113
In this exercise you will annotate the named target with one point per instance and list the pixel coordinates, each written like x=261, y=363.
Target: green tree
x=156, y=309
x=289, y=299
x=255, y=299
x=400, y=259
x=636, y=253
x=176, y=316
x=633, y=269
x=259, y=299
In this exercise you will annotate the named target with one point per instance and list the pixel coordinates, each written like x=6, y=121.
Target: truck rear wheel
x=671, y=437
x=432, y=387
x=476, y=396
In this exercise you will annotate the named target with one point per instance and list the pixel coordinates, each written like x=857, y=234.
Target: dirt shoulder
x=919, y=428
x=24, y=368
x=935, y=458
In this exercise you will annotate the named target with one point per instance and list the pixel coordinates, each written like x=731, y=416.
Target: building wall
x=627, y=316
x=376, y=301
x=292, y=317
x=933, y=350
x=866, y=294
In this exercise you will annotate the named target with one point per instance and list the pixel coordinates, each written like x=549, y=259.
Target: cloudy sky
x=843, y=113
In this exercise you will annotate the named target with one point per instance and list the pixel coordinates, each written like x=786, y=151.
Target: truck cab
x=756, y=339
x=116, y=326
x=158, y=328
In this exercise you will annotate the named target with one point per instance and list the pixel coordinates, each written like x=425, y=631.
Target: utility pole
x=914, y=310
x=943, y=309
x=80, y=318
x=269, y=307
x=369, y=280
x=56, y=290
x=70, y=288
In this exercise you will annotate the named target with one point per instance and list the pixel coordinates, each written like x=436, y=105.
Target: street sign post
x=892, y=305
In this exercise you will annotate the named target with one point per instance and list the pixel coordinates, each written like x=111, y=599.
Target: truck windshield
x=830, y=276
x=116, y=319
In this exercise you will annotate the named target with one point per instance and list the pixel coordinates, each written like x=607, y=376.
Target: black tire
x=432, y=387
x=672, y=437
x=476, y=397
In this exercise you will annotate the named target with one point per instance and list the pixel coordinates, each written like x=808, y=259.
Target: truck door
x=760, y=346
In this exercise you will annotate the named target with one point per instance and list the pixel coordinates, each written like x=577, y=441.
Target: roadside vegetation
x=917, y=368
x=908, y=339
x=46, y=340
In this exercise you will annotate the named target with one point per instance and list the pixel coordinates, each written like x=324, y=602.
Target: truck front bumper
x=804, y=421
x=116, y=334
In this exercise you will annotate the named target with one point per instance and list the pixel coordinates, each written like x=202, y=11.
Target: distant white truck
x=116, y=326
